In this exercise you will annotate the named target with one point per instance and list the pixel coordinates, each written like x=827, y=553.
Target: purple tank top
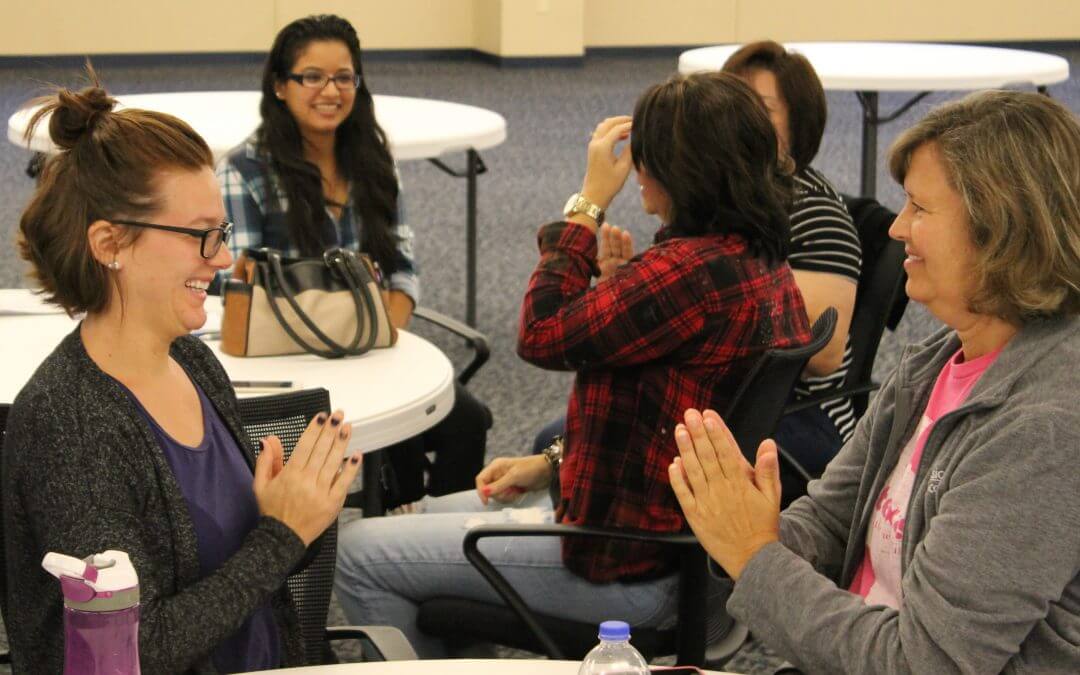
x=215, y=480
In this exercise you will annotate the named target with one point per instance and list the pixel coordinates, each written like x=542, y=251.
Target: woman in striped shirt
x=825, y=253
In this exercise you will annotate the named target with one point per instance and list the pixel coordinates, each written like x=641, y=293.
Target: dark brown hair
x=800, y=87
x=106, y=168
x=706, y=139
x=1014, y=158
x=360, y=149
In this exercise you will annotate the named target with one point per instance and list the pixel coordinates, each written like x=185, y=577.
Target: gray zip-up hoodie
x=991, y=550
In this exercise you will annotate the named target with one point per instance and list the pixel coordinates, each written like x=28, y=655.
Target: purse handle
x=335, y=259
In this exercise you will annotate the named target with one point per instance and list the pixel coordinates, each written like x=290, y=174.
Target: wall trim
x=74, y=61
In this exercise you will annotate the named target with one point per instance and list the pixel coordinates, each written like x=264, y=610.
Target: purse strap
x=338, y=260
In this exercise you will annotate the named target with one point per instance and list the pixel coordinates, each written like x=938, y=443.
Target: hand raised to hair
x=606, y=171
x=733, y=509
x=615, y=248
x=307, y=493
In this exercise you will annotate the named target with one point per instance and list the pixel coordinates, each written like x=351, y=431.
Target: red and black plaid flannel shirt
x=677, y=327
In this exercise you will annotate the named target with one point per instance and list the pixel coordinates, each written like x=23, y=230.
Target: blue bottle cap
x=614, y=630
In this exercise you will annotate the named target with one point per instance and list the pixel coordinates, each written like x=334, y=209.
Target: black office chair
x=880, y=302
x=286, y=416
x=752, y=415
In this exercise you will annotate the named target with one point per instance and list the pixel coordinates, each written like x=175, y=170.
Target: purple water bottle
x=101, y=612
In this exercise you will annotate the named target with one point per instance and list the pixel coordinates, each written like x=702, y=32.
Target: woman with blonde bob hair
x=945, y=536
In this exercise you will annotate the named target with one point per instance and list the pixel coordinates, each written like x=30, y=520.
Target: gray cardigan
x=82, y=473
x=991, y=550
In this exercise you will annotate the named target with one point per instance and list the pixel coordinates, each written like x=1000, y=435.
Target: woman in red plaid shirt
x=679, y=324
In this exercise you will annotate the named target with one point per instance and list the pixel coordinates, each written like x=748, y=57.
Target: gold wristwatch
x=553, y=453
x=578, y=204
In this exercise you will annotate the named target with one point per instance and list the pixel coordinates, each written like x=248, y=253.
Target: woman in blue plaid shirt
x=316, y=174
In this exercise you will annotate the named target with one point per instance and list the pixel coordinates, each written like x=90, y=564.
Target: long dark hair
x=709, y=143
x=359, y=147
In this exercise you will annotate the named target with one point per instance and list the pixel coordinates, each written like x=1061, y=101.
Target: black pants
x=458, y=443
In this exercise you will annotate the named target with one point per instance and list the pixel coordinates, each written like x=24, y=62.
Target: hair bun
x=76, y=114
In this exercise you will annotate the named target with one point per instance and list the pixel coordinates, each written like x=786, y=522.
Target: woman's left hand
x=607, y=171
x=732, y=508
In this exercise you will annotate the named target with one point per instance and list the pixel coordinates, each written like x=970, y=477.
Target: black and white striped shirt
x=824, y=239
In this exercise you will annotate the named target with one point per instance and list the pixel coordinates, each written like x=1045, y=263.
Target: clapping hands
x=616, y=247
x=732, y=507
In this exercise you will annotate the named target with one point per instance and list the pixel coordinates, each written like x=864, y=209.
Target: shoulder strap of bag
x=360, y=299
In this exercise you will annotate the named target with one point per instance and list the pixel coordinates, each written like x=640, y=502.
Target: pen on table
x=262, y=384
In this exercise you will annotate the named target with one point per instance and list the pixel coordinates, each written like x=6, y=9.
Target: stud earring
x=114, y=265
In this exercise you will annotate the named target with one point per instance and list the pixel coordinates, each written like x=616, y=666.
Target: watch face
x=571, y=203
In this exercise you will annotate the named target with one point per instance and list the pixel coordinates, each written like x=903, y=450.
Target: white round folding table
x=449, y=667
x=388, y=395
x=416, y=128
x=868, y=68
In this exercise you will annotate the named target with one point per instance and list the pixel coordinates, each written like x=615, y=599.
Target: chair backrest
x=880, y=299
x=286, y=416
x=759, y=401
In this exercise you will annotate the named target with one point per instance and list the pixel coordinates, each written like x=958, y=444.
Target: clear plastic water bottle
x=614, y=655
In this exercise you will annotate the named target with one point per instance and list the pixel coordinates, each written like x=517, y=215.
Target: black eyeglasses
x=210, y=240
x=314, y=79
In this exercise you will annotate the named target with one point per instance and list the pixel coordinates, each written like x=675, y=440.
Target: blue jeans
x=811, y=438
x=388, y=566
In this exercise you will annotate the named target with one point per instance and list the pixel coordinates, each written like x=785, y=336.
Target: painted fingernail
x=355, y=459
x=335, y=420
x=486, y=490
x=262, y=444
x=321, y=418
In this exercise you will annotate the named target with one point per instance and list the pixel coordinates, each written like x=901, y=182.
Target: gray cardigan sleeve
x=1001, y=549
x=83, y=489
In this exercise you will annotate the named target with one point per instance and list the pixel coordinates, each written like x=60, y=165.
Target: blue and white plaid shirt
x=259, y=220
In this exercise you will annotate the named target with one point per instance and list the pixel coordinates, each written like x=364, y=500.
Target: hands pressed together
x=308, y=492
x=732, y=507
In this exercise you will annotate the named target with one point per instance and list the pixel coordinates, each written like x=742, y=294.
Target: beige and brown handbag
x=329, y=306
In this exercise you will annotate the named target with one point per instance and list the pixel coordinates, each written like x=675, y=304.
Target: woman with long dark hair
x=682, y=321
x=318, y=173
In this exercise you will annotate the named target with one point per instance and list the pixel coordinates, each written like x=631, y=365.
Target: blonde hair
x=1014, y=158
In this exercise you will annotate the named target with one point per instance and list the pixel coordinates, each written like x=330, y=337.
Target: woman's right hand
x=508, y=477
x=606, y=171
x=307, y=493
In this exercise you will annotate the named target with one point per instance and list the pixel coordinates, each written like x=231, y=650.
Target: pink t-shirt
x=878, y=576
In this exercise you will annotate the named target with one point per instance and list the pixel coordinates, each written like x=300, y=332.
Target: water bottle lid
x=102, y=582
x=614, y=630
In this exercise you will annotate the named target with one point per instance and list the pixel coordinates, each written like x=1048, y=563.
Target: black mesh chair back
x=880, y=299
x=286, y=416
x=752, y=416
x=754, y=412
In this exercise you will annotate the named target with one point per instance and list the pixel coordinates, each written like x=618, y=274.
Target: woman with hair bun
x=127, y=436
x=318, y=173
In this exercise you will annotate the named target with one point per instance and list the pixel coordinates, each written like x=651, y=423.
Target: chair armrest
x=389, y=643
x=811, y=401
x=474, y=339
x=498, y=582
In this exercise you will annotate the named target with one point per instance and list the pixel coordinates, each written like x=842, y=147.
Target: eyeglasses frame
x=299, y=79
x=225, y=228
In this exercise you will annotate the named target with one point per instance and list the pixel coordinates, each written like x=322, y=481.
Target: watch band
x=578, y=204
